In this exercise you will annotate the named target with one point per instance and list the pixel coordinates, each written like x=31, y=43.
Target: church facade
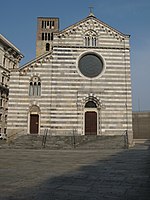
x=80, y=81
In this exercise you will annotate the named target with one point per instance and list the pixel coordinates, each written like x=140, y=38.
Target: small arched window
x=91, y=38
x=47, y=46
x=35, y=89
x=94, y=41
x=35, y=86
x=39, y=89
x=31, y=89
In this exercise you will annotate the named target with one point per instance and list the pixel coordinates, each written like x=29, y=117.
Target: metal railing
x=74, y=138
x=126, y=141
x=44, y=138
x=15, y=134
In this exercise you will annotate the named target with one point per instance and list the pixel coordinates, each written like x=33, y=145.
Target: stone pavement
x=75, y=174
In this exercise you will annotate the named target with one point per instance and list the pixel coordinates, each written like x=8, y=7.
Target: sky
x=18, y=23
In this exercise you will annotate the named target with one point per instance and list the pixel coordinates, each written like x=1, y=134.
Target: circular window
x=90, y=65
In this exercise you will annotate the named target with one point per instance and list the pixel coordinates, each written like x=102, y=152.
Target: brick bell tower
x=46, y=27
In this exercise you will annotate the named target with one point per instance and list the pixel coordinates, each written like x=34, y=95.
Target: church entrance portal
x=90, y=118
x=90, y=123
x=34, y=124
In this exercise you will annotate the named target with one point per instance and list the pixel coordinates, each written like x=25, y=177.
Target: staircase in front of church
x=67, y=142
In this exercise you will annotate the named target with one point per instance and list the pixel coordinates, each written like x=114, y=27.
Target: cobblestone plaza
x=75, y=174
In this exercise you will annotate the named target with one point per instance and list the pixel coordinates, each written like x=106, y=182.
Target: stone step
x=68, y=142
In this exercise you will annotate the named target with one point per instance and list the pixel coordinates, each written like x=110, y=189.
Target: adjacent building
x=10, y=57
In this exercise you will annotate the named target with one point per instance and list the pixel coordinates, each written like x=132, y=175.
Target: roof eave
x=35, y=60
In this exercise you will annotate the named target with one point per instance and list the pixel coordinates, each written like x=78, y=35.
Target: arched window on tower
x=47, y=46
x=43, y=36
x=35, y=86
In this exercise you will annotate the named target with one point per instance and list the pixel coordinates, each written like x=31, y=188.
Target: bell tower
x=46, y=27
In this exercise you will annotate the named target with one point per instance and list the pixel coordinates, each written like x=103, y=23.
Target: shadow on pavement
x=124, y=175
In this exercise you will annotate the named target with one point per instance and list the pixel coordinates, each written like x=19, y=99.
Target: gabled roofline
x=34, y=60
x=47, y=17
x=93, y=17
x=8, y=43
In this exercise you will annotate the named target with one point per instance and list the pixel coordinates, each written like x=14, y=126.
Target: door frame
x=37, y=115
x=35, y=112
x=90, y=110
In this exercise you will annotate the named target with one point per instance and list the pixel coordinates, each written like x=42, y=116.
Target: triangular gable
x=101, y=24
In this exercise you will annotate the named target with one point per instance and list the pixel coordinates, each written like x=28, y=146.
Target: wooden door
x=34, y=124
x=90, y=123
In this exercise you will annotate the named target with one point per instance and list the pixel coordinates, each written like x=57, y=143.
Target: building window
x=2, y=79
x=35, y=89
x=91, y=38
x=87, y=41
x=47, y=46
x=94, y=41
x=48, y=24
x=91, y=65
x=5, y=118
x=42, y=36
x=47, y=36
x=52, y=24
x=35, y=86
x=31, y=89
x=39, y=89
x=1, y=102
x=42, y=24
x=52, y=36
x=4, y=60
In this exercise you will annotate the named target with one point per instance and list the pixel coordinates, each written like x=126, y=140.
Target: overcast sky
x=18, y=23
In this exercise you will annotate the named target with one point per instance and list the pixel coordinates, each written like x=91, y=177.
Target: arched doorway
x=90, y=118
x=34, y=125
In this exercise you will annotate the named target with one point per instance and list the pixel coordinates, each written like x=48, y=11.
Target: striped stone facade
x=62, y=91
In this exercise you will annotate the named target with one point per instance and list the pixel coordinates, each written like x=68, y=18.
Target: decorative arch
x=90, y=104
x=91, y=114
x=34, y=119
x=34, y=109
x=92, y=98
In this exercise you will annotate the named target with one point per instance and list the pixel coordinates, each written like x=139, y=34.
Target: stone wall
x=141, y=125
